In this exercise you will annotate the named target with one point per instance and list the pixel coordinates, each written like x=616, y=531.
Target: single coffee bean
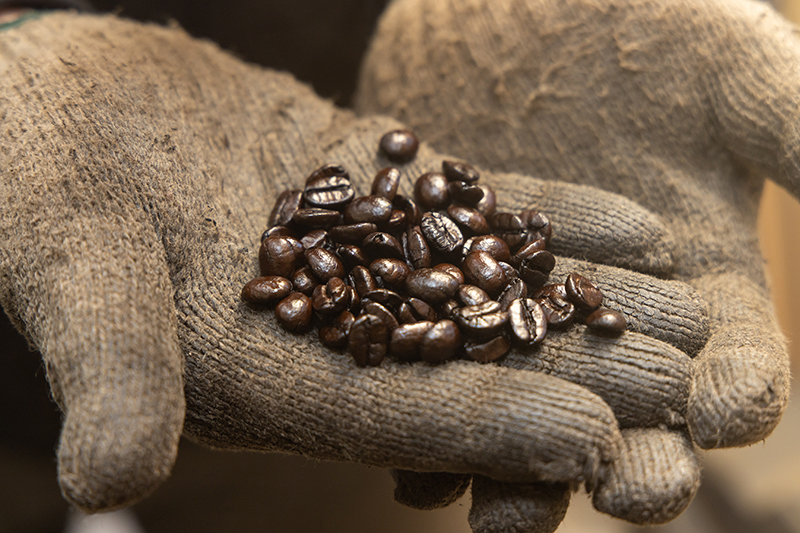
x=352, y=233
x=441, y=232
x=372, y=209
x=515, y=289
x=330, y=298
x=367, y=340
x=510, y=271
x=493, y=245
x=317, y=238
x=582, y=292
x=380, y=311
x=430, y=191
x=387, y=297
x=396, y=223
x=441, y=342
x=416, y=310
x=558, y=311
x=482, y=270
x=277, y=257
x=453, y=270
x=355, y=300
x=332, y=337
x=328, y=171
x=304, y=280
x=472, y=295
x=294, y=312
x=352, y=255
x=510, y=228
x=607, y=321
x=313, y=217
x=415, y=248
x=488, y=351
x=298, y=248
x=324, y=264
x=527, y=321
x=406, y=340
x=487, y=204
x=344, y=321
x=527, y=250
x=363, y=281
x=399, y=146
x=409, y=207
x=464, y=194
x=386, y=182
x=457, y=171
x=277, y=231
x=380, y=244
x=432, y=286
x=333, y=192
x=537, y=223
x=266, y=289
x=556, y=290
x=393, y=272
x=449, y=307
x=536, y=268
x=288, y=202
x=481, y=322
x=468, y=219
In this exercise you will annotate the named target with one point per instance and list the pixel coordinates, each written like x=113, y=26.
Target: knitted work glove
x=673, y=104
x=137, y=170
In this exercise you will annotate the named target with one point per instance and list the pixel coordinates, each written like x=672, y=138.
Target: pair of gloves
x=138, y=166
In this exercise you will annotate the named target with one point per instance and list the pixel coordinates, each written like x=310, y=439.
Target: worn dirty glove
x=137, y=170
x=681, y=106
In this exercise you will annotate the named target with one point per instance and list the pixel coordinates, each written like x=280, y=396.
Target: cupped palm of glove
x=138, y=169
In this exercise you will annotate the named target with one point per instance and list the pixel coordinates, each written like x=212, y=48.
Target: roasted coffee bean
x=387, y=297
x=266, y=289
x=488, y=203
x=277, y=257
x=314, y=217
x=449, y=307
x=527, y=321
x=493, y=245
x=457, y=171
x=380, y=311
x=453, y=270
x=415, y=248
x=386, y=182
x=464, y=194
x=556, y=290
x=510, y=228
x=352, y=255
x=441, y=342
x=367, y=340
x=468, y=219
x=482, y=270
x=537, y=223
x=294, y=312
x=416, y=310
x=472, y=295
x=288, y=202
x=324, y=264
x=407, y=339
x=558, y=310
x=277, y=231
x=327, y=171
x=528, y=250
x=430, y=191
x=397, y=222
x=392, y=272
x=432, y=286
x=333, y=297
x=352, y=233
x=372, y=209
x=441, y=232
x=607, y=321
x=355, y=300
x=317, y=238
x=380, y=244
x=333, y=192
x=487, y=351
x=510, y=271
x=582, y=292
x=516, y=288
x=332, y=337
x=399, y=146
x=363, y=281
x=304, y=280
x=482, y=321
x=536, y=268
x=409, y=207
x=344, y=321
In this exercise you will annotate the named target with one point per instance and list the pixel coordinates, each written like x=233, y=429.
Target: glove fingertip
x=429, y=490
x=499, y=507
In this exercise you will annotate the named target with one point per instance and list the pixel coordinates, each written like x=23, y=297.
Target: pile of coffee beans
x=441, y=275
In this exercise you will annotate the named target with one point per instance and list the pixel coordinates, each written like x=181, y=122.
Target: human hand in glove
x=680, y=106
x=137, y=169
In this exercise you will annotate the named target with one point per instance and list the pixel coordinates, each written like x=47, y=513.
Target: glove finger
x=428, y=490
x=499, y=507
x=654, y=479
x=741, y=383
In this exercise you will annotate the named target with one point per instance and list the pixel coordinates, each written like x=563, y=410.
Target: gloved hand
x=678, y=105
x=138, y=167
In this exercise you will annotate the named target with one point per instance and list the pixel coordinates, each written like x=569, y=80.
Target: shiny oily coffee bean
x=362, y=280
x=313, y=217
x=327, y=171
x=277, y=231
x=472, y=295
x=537, y=223
x=386, y=182
x=304, y=280
x=468, y=219
x=554, y=290
x=457, y=171
x=288, y=202
x=397, y=222
x=515, y=289
x=526, y=321
x=510, y=228
x=430, y=191
x=352, y=233
x=351, y=256
x=416, y=310
x=582, y=292
x=488, y=204
x=607, y=321
x=335, y=335
x=372, y=209
x=333, y=192
x=493, y=245
x=380, y=244
x=441, y=342
x=367, y=340
x=317, y=238
x=440, y=232
x=510, y=271
x=386, y=297
x=324, y=264
x=355, y=300
x=379, y=310
x=392, y=272
x=450, y=307
x=415, y=248
x=453, y=270
x=294, y=312
x=406, y=340
x=333, y=297
x=488, y=351
x=558, y=311
x=432, y=286
x=482, y=270
x=266, y=289
x=409, y=207
x=464, y=194
x=277, y=257
x=482, y=321
x=535, y=269
x=399, y=146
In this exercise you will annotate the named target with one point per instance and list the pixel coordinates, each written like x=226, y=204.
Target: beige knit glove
x=678, y=105
x=137, y=170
